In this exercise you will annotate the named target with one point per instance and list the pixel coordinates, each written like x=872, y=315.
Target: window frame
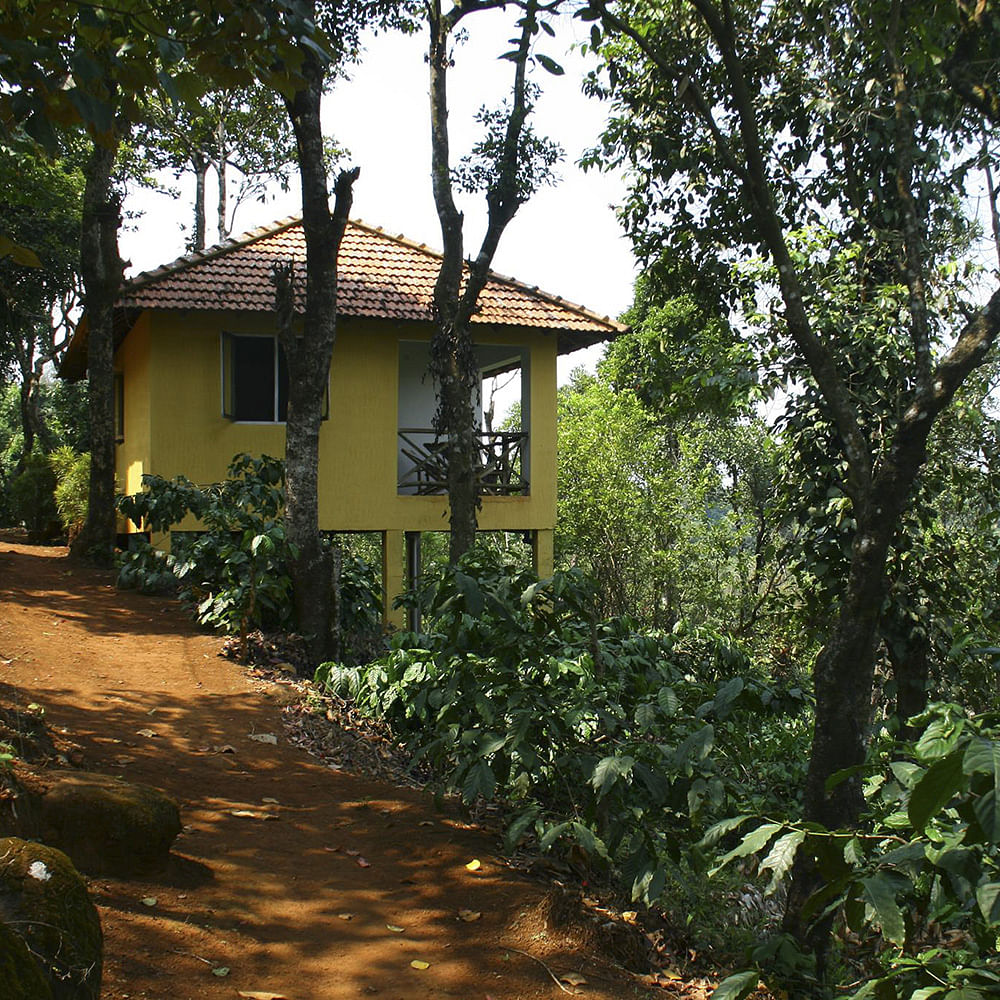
x=227, y=376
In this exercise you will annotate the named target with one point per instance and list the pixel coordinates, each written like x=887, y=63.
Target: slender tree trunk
x=308, y=356
x=453, y=358
x=101, y=268
x=910, y=661
x=220, y=169
x=200, y=165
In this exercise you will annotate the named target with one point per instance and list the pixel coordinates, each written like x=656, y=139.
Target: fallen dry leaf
x=394, y=928
x=352, y=853
x=474, y=865
x=263, y=738
x=363, y=864
x=270, y=802
x=149, y=901
x=261, y=995
x=418, y=964
x=573, y=979
x=469, y=915
x=148, y=733
x=251, y=814
x=345, y=916
x=221, y=971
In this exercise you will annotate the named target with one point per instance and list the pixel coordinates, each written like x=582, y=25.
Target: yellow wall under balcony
x=174, y=423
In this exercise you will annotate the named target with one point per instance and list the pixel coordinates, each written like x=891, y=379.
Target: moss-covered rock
x=44, y=900
x=20, y=974
x=110, y=827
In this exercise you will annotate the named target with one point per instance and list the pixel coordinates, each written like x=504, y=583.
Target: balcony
x=423, y=469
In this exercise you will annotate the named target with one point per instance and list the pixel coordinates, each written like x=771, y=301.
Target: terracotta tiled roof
x=380, y=277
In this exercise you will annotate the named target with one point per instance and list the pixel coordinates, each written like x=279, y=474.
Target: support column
x=414, y=567
x=542, y=553
x=393, y=578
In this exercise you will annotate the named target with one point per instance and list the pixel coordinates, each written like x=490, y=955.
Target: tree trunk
x=220, y=169
x=308, y=357
x=200, y=165
x=101, y=268
x=910, y=659
x=453, y=359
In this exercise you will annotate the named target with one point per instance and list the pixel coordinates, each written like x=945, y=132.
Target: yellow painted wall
x=133, y=455
x=173, y=361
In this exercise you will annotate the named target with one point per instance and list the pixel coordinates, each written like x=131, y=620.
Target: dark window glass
x=248, y=370
x=253, y=378
x=282, y=384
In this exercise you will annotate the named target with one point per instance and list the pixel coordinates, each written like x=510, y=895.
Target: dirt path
x=266, y=898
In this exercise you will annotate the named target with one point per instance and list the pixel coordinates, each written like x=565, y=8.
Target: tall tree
x=40, y=205
x=309, y=350
x=70, y=66
x=509, y=164
x=240, y=134
x=744, y=126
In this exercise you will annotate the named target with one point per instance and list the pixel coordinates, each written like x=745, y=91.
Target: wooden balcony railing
x=425, y=468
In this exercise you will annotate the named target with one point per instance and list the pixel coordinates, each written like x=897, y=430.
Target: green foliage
x=234, y=572
x=616, y=742
x=72, y=472
x=673, y=517
x=537, y=155
x=917, y=891
x=31, y=501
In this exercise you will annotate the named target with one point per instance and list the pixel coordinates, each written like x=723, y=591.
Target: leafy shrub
x=359, y=607
x=71, y=494
x=235, y=572
x=596, y=736
x=919, y=887
x=30, y=499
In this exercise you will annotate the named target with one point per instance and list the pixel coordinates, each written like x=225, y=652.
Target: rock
x=282, y=694
x=21, y=975
x=44, y=900
x=109, y=827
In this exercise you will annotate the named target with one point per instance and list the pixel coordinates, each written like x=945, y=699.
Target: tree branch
x=912, y=264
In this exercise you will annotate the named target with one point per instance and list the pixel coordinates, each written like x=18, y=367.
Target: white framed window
x=254, y=379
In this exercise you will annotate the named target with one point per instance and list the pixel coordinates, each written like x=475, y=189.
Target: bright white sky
x=566, y=239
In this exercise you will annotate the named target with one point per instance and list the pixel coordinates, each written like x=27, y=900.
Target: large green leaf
x=586, y=838
x=988, y=897
x=480, y=781
x=750, y=844
x=738, y=986
x=935, y=789
x=880, y=893
x=983, y=757
x=779, y=859
x=717, y=831
x=608, y=771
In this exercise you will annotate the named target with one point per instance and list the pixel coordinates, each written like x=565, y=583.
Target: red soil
x=266, y=896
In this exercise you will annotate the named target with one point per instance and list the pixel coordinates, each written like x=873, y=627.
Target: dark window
x=255, y=379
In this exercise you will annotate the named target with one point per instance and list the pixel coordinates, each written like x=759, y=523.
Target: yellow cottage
x=200, y=378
